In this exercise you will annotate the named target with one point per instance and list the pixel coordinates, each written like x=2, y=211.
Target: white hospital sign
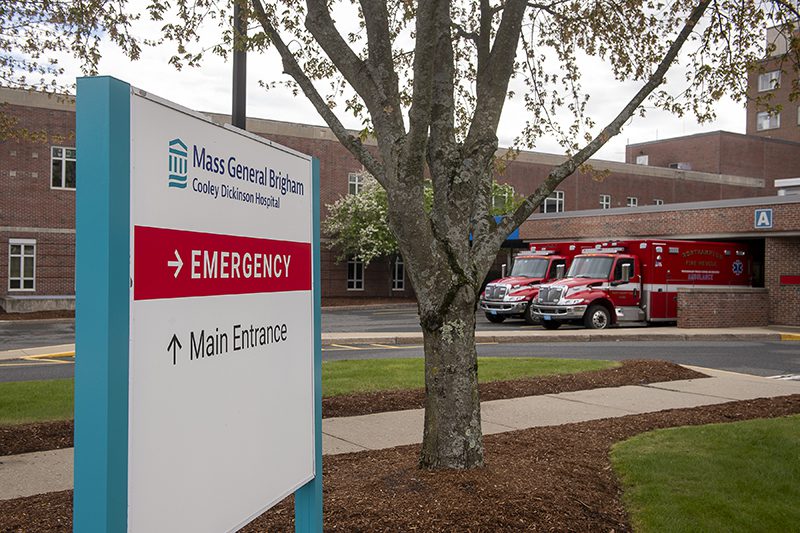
x=211, y=318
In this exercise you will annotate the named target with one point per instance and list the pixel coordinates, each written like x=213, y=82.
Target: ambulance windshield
x=529, y=268
x=590, y=267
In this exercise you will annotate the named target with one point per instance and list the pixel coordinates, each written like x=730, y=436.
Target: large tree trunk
x=452, y=436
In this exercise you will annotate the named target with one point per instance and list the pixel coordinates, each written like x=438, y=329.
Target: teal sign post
x=198, y=340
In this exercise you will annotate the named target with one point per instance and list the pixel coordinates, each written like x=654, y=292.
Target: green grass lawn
x=38, y=401
x=742, y=476
x=343, y=377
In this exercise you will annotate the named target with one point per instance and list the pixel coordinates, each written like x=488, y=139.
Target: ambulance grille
x=550, y=295
x=496, y=292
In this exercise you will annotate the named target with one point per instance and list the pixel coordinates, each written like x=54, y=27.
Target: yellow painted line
x=384, y=346
x=48, y=361
x=399, y=347
x=49, y=355
x=346, y=347
x=43, y=363
x=790, y=336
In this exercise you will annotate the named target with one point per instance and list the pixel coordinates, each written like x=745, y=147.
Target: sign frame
x=103, y=283
x=763, y=212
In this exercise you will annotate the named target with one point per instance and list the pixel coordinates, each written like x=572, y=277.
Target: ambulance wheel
x=529, y=317
x=495, y=319
x=551, y=324
x=597, y=317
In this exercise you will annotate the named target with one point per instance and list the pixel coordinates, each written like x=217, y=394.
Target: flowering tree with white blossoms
x=358, y=224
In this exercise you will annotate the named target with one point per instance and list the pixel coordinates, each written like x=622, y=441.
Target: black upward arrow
x=174, y=345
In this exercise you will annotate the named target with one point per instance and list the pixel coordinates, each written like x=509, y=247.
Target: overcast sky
x=209, y=89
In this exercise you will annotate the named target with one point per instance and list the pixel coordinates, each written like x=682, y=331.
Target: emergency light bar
x=540, y=252
x=613, y=250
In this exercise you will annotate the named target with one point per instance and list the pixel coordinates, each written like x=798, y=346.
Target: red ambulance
x=511, y=296
x=637, y=281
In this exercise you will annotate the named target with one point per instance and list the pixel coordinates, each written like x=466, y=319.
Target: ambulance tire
x=551, y=324
x=529, y=317
x=597, y=317
x=495, y=319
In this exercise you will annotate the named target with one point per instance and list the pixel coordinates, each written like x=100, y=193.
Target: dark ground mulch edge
x=633, y=372
x=555, y=478
x=42, y=436
x=25, y=438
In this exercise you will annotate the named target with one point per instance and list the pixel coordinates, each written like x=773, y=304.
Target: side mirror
x=626, y=273
x=560, y=271
x=503, y=270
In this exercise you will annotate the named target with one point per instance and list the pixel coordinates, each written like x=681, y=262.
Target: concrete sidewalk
x=34, y=473
x=774, y=333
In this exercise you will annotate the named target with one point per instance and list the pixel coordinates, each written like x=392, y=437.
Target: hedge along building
x=769, y=225
x=37, y=199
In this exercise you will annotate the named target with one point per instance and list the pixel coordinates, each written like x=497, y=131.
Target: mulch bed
x=55, y=435
x=25, y=438
x=634, y=372
x=543, y=479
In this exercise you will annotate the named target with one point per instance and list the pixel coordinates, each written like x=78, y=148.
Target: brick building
x=37, y=203
x=771, y=110
x=721, y=152
x=37, y=215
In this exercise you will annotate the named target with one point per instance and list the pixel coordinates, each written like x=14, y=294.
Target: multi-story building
x=772, y=109
x=38, y=184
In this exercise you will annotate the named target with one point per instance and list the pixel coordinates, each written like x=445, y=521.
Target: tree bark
x=452, y=434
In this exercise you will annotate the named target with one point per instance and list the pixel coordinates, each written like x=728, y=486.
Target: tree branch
x=354, y=70
x=293, y=69
x=381, y=60
x=562, y=171
x=493, y=77
x=419, y=115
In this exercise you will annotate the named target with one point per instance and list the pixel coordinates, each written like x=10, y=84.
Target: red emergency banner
x=172, y=263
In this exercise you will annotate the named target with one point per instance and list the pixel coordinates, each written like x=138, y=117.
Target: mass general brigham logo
x=178, y=164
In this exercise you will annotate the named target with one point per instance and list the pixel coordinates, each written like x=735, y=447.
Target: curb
x=335, y=308
x=34, y=320
x=527, y=339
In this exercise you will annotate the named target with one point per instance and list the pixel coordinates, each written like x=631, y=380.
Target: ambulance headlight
x=572, y=301
x=514, y=298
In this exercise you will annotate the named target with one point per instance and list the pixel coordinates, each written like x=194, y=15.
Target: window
x=767, y=121
x=605, y=201
x=554, y=267
x=355, y=182
x=553, y=203
x=355, y=274
x=398, y=275
x=502, y=201
x=21, y=264
x=769, y=80
x=632, y=201
x=642, y=160
x=62, y=167
x=618, y=268
x=658, y=201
